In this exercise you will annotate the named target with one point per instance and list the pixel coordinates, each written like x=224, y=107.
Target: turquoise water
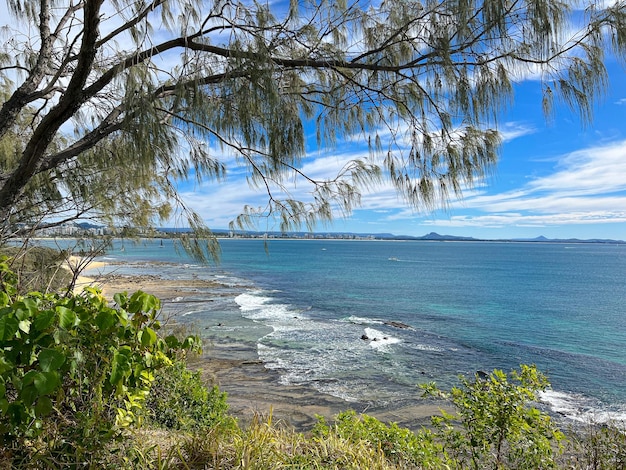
x=305, y=305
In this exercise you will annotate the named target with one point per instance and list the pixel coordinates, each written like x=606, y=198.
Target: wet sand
x=251, y=387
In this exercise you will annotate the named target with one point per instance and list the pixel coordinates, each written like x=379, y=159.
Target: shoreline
x=252, y=389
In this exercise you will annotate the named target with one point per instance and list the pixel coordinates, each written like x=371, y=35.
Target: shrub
x=74, y=372
x=399, y=445
x=181, y=400
x=598, y=447
x=495, y=425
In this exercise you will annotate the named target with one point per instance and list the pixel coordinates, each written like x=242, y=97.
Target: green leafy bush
x=400, y=446
x=495, y=425
x=74, y=372
x=180, y=399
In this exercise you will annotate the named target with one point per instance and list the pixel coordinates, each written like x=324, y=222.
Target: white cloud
x=588, y=187
x=514, y=130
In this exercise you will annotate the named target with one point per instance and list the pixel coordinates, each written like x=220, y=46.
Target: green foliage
x=181, y=400
x=74, y=372
x=267, y=445
x=37, y=268
x=399, y=445
x=90, y=115
x=495, y=426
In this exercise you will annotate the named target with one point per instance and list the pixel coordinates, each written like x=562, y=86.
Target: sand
x=251, y=387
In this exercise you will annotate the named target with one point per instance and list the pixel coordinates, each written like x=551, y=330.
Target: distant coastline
x=431, y=237
x=73, y=230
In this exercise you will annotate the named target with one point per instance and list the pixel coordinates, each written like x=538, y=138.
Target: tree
x=496, y=424
x=106, y=98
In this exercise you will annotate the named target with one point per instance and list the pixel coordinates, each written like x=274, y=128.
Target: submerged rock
x=397, y=324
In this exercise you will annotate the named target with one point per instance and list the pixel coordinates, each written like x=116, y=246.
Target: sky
x=558, y=178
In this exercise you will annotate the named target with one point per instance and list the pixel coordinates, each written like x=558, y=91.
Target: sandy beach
x=236, y=369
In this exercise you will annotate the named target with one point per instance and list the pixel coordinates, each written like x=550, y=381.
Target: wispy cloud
x=587, y=187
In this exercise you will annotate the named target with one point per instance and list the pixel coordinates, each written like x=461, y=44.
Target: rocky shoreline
x=252, y=388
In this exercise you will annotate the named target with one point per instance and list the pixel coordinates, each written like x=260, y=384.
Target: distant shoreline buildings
x=73, y=229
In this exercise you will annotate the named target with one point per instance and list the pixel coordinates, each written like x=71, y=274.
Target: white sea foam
x=379, y=340
x=251, y=301
x=426, y=347
x=579, y=408
x=257, y=306
x=363, y=321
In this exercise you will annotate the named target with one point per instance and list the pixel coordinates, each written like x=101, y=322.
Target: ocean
x=369, y=320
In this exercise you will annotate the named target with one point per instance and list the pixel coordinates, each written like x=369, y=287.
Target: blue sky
x=558, y=178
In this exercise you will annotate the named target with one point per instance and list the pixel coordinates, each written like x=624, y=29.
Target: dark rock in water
x=397, y=324
x=482, y=375
x=364, y=337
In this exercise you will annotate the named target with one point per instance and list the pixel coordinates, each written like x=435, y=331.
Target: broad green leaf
x=8, y=327
x=151, y=303
x=31, y=305
x=172, y=342
x=43, y=320
x=106, y=319
x=4, y=405
x=121, y=367
x=67, y=317
x=51, y=360
x=24, y=325
x=29, y=395
x=190, y=342
x=47, y=382
x=5, y=365
x=148, y=337
x=3, y=390
x=120, y=298
x=29, y=378
x=4, y=299
x=138, y=302
x=43, y=406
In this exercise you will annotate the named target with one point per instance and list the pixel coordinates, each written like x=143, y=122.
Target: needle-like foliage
x=107, y=105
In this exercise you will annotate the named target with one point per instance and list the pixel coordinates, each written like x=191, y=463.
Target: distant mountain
x=436, y=236
x=543, y=239
x=432, y=236
x=87, y=225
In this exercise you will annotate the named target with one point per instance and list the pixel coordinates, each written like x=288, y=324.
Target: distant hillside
x=543, y=239
x=436, y=236
x=432, y=236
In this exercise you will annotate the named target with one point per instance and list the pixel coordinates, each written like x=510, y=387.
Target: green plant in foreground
x=74, y=372
x=400, y=446
x=181, y=400
x=495, y=425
